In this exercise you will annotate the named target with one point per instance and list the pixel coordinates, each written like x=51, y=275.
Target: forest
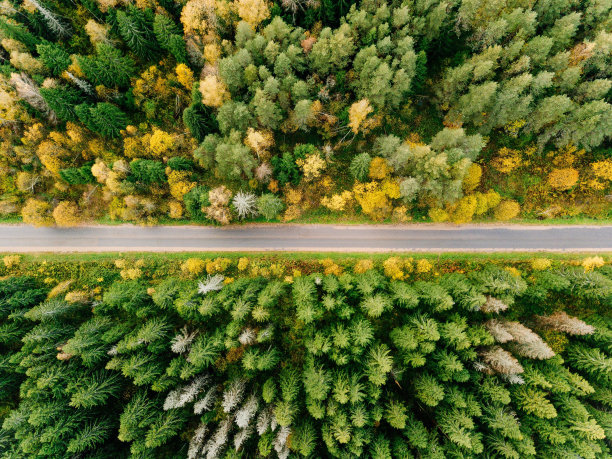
x=244, y=357
x=219, y=111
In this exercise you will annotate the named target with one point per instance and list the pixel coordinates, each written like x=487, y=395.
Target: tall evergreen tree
x=136, y=29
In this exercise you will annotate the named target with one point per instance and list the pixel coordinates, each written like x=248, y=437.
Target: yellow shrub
x=394, y=268
x=464, y=210
x=391, y=189
x=59, y=288
x=373, y=200
x=379, y=168
x=184, y=75
x=331, y=267
x=540, y=264
x=293, y=211
x=179, y=184
x=37, y=212
x=77, y=296
x=423, y=266
x=512, y=270
x=507, y=210
x=160, y=142
x=438, y=215
x=358, y=112
x=120, y=263
x=67, y=213
x=603, y=169
x=486, y=201
x=131, y=274
x=591, y=263
x=399, y=214
x=563, y=179
x=243, y=263
x=293, y=196
x=363, y=266
x=312, y=166
x=337, y=202
x=218, y=265
x=11, y=260
x=193, y=266
x=472, y=178
x=277, y=269
x=507, y=160
x=175, y=209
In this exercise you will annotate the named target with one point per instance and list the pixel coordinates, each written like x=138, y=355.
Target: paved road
x=329, y=238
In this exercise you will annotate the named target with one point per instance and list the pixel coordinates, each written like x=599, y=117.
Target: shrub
x=193, y=266
x=37, y=213
x=472, y=178
x=67, y=214
x=360, y=166
x=269, y=205
x=507, y=210
x=379, y=169
x=438, y=215
x=563, y=179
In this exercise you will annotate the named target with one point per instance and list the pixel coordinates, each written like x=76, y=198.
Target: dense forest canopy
x=400, y=359
x=217, y=110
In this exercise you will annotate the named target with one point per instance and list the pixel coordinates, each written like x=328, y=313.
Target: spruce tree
x=170, y=37
x=53, y=57
x=62, y=101
x=104, y=118
x=136, y=29
x=109, y=67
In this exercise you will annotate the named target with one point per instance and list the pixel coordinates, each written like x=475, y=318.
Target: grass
x=302, y=257
x=325, y=216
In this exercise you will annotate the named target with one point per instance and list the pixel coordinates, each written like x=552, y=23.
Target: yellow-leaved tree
x=37, y=212
x=252, y=11
x=213, y=90
x=358, y=113
x=67, y=213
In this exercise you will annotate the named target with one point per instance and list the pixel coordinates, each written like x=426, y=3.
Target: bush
x=37, y=213
x=563, y=179
x=270, y=206
x=360, y=166
x=507, y=210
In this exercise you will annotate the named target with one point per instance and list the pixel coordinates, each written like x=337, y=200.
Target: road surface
x=320, y=238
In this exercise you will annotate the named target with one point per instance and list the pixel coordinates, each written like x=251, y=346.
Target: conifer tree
x=170, y=37
x=103, y=118
x=136, y=29
x=62, y=101
x=109, y=67
x=55, y=58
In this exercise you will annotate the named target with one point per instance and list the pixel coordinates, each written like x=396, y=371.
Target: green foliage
x=109, y=67
x=138, y=372
x=104, y=118
x=78, y=175
x=170, y=37
x=55, y=58
x=147, y=171
x=136, y=29
x=285, y=169
x=269, y=205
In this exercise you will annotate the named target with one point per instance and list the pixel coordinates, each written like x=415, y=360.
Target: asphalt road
x=321, y=238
